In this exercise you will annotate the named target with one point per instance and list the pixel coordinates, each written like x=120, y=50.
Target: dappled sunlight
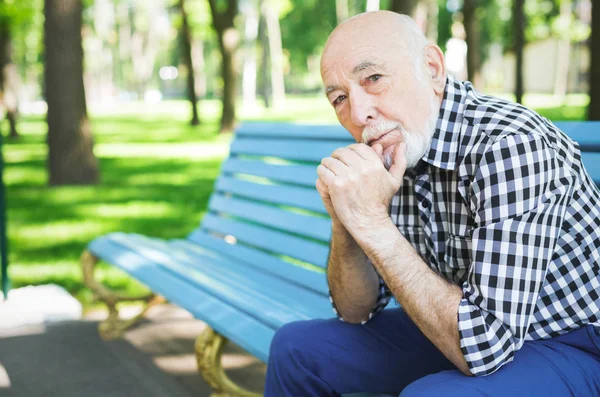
x=174, y=150
x=25, y=152
x=22, y=175
x=4, y=378
x=61, y=231
x=132, y=209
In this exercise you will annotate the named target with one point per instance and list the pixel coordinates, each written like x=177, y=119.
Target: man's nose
x=362, y=109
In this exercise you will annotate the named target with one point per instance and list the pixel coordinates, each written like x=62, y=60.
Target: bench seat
x=234, y=299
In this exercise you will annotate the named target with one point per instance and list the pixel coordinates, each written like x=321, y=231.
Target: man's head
x=385, y=82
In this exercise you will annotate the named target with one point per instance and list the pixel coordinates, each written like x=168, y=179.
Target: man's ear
x=436, y=66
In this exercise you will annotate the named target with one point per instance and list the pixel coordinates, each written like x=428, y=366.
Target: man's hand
x=358, y=187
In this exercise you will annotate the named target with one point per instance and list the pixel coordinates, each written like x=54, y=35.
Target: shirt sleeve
x=382, y=300
x=519, y=198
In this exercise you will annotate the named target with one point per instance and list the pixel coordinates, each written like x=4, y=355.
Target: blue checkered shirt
x=502, y=206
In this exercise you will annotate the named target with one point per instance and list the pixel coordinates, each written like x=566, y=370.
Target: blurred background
x=117, y=113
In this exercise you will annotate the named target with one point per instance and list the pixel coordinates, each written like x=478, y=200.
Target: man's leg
x=330, y=357
x=568, y=365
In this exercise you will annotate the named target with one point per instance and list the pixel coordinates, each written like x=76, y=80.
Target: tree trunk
x=228, y=41
x=473, y=39
x=249, y=73
x=561, y=78
x=431, y=25
x=594, y=107
x=407, y=7
x=8, y=80
x=265, y=87
x=275, y=51
x=519, y=33
x=372, y=5
x=70, y=156
x=341, y=10
x=186, y=42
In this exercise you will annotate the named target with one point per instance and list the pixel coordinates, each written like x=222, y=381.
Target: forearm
x=430, y=301
x=352, y=280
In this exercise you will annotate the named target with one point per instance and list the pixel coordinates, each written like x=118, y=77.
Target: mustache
x=379, y=128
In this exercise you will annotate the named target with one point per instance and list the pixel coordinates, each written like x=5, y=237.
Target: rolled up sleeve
x=519, y=197
x=383, y=298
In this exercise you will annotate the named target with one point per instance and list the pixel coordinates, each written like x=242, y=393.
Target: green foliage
x=305, y=29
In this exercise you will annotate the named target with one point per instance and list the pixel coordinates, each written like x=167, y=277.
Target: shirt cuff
x=383, y=299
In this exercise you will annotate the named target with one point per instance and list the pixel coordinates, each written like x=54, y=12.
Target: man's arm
x=353, y=282
x=360, y=190
x=430, y=301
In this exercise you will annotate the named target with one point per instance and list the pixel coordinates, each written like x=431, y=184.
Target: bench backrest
x=265, y=210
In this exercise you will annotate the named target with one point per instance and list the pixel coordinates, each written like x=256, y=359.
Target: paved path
x=155, y=359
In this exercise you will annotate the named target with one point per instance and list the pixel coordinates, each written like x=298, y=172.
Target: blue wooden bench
x=257, y=261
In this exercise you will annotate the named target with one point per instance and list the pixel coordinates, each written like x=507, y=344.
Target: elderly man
x=476, y=214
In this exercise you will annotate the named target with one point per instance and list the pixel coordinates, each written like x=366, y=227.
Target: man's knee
x=447, y=383
x=291, y=341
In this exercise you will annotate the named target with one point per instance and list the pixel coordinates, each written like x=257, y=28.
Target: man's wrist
x=378, y=237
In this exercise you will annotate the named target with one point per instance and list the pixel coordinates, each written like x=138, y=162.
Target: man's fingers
x=322, y=188
x=398, y=167
x=378, y=148
x=334, y=165
x=365, y=151
x=325, y=174
x=347, y=156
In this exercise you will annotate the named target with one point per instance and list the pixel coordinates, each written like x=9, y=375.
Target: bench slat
x=289, y=149
x=288, y=130
x=298, y=174
x=267, y=239
x=240, y=285
x=305, y=198
x=247, y=332
x=591, y=162
x=587, y=133
x=270, y=216
x=306, y=278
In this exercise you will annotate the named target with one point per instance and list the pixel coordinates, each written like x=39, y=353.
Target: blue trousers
x=390, y=355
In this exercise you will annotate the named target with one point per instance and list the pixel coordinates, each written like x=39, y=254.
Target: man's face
x=379, y=95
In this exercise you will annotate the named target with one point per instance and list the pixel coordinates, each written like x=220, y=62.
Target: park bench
x=257, y=260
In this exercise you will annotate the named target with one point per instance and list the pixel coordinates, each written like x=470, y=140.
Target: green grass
x=157, y=177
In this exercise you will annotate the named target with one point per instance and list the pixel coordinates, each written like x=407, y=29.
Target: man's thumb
x=399, y=161
x=378, y=148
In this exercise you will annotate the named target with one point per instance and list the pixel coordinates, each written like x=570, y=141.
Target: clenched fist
x=355, y=186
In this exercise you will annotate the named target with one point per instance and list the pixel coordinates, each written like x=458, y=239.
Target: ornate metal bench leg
x=113, y=327
x=209, y=348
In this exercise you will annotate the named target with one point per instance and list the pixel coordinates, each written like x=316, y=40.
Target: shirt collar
x=443, y=149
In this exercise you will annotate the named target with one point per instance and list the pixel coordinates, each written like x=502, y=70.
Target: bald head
x=382, y=31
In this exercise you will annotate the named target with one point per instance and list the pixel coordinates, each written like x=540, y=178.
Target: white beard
x=417, y=142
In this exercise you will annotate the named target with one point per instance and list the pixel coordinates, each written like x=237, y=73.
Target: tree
x=13, y=16
x=265, y=86
x=270, y=10
x=341, y=10
x=251, y=16
x=70, y=156
x=519, y=34
x=473, y=39
x=594, y=107
x=186, y=43
x=228, y=41
x=8, y=78
x=407, y=7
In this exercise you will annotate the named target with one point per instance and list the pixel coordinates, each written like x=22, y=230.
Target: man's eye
x=374, y=78
x=339, y=100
